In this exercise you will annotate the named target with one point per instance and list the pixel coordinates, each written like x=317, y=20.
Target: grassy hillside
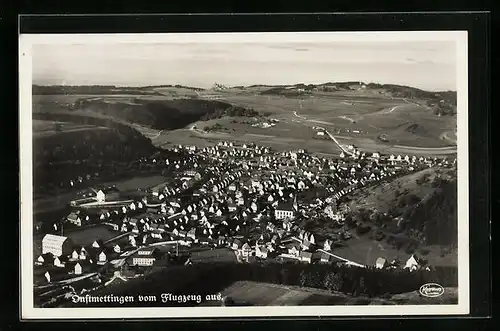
x=163, y=114
x=417, y=209
x=68, y=147
x=441, y=103
x=91, y=89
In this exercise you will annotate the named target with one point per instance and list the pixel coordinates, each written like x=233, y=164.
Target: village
x=241, y=203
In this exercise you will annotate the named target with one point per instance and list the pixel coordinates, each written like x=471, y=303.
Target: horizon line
x=234, y=86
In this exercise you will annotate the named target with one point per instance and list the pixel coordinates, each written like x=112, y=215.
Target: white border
x=28, y=311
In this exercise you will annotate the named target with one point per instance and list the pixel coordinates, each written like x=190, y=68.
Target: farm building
x=56, y=245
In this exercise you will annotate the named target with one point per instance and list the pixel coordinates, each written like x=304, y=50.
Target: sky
x=429, y=65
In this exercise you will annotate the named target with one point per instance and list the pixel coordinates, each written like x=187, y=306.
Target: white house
x=58, y=263
x=74, y=255
x=327, y=246
x=412, y=264
x=380, y=263
x=40, y=260
x=246, y=250
x=77, y=269
x=102, y=258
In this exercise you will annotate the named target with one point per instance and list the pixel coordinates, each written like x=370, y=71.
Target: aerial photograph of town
x=218, y=174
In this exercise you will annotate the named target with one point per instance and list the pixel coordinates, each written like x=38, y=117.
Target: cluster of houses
x=248, y=200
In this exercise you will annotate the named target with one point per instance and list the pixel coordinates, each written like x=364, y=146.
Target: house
x=237, y=244
x=56, y=245
x=57, y=262
x=74, y=218
x=44, y=259
x=294, y=250
x=77, y=269
x=261, y=251
x=102, y=258
x=413, y=263
x=192, y=234
x=221, y=241
x=246, y=250
x=327, y=246
x=325, y=258
x=74, y=255
x=145, y=257
x=306, y=256
x=381, y=263
x=306, y=244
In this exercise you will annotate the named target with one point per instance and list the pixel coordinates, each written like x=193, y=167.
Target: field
x=124, y=185
x=365, y=250
x=356, y=117
x=248, y=293
x=216, y=255
x=83, y=237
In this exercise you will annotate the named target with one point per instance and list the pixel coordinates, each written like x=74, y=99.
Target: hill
x=69, y=147
x=441, y=103
x=90, y=89
x=413, y=211
x=161, y=114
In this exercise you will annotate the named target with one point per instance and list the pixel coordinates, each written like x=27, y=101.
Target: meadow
x=356, y=117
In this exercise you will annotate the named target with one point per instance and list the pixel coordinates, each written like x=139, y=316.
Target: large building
x=145, y=257
x=284, y=211
x=56, y=245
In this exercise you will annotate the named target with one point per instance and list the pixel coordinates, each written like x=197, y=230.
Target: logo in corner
x=431, y=290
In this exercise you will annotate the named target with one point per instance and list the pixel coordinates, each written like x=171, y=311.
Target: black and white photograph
x=244, y=174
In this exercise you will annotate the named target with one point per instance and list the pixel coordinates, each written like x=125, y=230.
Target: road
x=338, y=144
x=342, y=259
x=395, y=148
x=157, y=135
x=67, y=281
x=335, y=256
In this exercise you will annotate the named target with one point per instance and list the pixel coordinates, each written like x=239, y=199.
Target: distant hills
x=441, y=103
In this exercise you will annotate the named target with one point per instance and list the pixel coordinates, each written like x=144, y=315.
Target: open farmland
x=354, y=116
x=216, y=255
x=248, y=293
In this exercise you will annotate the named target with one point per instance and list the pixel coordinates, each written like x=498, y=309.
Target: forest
x=209, y=278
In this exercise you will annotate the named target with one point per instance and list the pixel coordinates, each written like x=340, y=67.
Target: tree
x=361, y=288
x=333, y=281
x=303, y=278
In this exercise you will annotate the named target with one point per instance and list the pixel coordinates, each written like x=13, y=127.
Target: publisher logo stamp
x=431, y=290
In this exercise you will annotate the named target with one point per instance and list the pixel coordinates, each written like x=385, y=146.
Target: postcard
x=244, y=175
